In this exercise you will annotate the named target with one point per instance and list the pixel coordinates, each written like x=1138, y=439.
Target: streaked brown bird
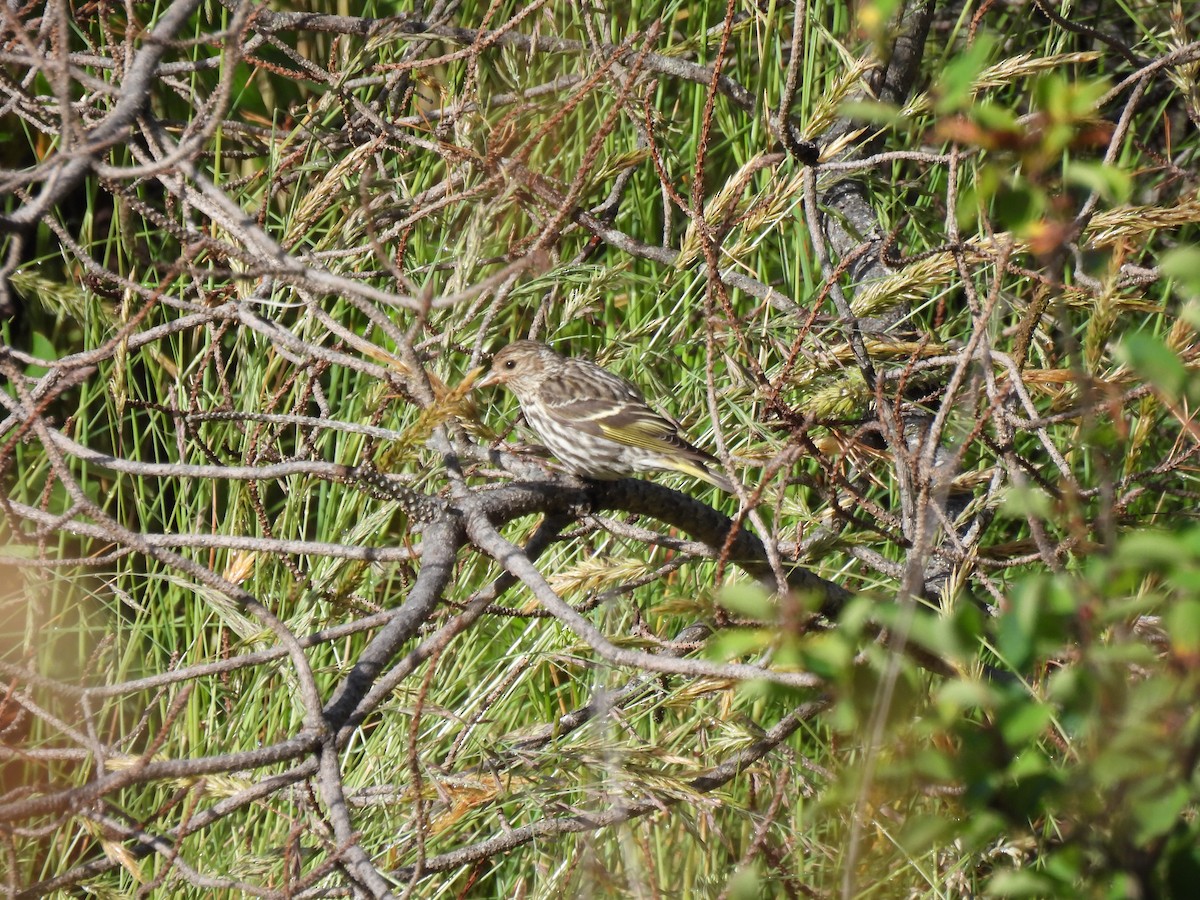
x=595, y=422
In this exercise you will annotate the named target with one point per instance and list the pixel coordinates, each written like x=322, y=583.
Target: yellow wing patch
x=644, y=433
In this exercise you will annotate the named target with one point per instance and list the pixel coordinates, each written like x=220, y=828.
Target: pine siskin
x=595, y=422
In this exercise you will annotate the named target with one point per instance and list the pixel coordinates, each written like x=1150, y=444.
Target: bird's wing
x=649, y=431
x=624, y=421
x=598, y=402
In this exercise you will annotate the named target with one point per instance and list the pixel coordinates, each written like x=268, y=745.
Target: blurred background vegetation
x=924, y=276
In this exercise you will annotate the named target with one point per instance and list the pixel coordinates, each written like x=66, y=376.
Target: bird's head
x=521, y=366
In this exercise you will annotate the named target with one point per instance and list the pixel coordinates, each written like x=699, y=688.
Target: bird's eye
x=510, y=364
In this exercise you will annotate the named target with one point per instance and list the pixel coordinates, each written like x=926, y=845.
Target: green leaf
x=872, y=112
x=923, y=833
x=1020, y=883
x=1183, y=627
x=873, y=17
x=1153, y=360
x=1117, y=763
x=938, y=635
x=937, y=766
x=1018, y=625
x=737, y=643
x=1074, y=692
x=43, y=348
x=1123, y=886
x=995, y=117
x=746, y=884
x=955, y=88
x=1183, y=265
x=1016, y=206
x=1150, y=549
x=1186, y=578
x=1025, y=723
x=1064, y=864
x=1069, y=101
x=1155, y=816
x=960, y=697
x=1085, y=96
x=828, y=655
x=1025, y=500
x=1110, y=182
x=748, y=599
x=1050, y=95
x=1191, y=314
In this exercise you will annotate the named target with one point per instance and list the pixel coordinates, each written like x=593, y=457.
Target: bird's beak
x=491, y=379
